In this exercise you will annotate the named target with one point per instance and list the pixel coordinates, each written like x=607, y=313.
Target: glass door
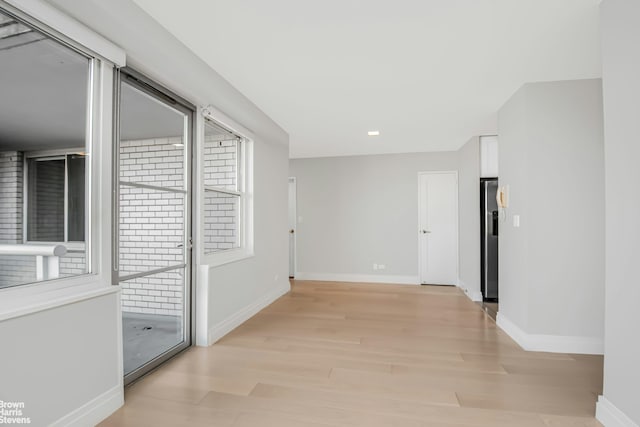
x=154, y=223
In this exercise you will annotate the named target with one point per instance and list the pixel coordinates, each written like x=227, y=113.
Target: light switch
x=516, y=221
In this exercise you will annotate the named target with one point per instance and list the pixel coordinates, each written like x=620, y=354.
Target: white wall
x=361, y=210
x=239, y=289
x=59, y=360
x=621, y=68
x=62, y=343
x=469, y=218
x=551, y=267
x=512, y=263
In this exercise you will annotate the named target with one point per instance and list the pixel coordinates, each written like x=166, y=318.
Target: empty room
x=342, y=213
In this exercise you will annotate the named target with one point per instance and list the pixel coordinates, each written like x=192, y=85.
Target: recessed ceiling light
x=373, y=133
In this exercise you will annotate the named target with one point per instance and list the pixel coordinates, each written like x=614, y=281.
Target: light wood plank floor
x=337, y=354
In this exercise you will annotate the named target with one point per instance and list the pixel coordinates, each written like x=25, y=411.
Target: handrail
x=34, y=250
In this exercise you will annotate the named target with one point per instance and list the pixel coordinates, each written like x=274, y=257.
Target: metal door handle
x=425, y=232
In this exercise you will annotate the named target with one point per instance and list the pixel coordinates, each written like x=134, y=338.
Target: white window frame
x=245, y=191
x=73, y=245
x=102, y=55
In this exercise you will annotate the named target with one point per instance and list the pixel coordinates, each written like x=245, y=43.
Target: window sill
x=226, y=257
x=17, y=302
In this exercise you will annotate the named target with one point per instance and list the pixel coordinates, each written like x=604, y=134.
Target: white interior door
x=438, y=227
x=292, y=227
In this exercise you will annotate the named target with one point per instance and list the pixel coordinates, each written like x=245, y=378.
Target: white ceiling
x=144, y=117
x=428, y=74
x=43, y=88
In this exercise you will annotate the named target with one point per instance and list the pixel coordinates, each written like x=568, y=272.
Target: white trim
x=201, y=306
x=610, y=416
x=457, y=220
x=17, y=306
x=245, y=190
x=475, y=296
x=359, y=278
x=38, y=296
x=62, y=154
x=219, y=118
x=550, y=343
x=69, y=27
x=228, y=256
x=94, y=411
x=222, y=328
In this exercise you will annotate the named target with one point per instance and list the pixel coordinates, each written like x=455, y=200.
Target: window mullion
x=66, y=199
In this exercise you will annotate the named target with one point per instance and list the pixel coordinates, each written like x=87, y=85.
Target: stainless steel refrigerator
x=489, y=239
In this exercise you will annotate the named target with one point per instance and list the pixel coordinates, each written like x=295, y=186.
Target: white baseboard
x=359, y=278
x=475, y=296
x=94, y=411
x=230, y=323
x=610, y=416
x=550, y=343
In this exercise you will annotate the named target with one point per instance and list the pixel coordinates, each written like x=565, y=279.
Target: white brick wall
x=160, y=293
x=152, y=222
x=152, y=225
x=21, y=269
x=220, y=210
x=11, y=188
x=17, y=269
x=73, y=264
x=13, y=269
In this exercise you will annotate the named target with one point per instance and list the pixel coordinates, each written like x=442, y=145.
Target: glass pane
x=38, y=75
x=76, y=197
x=45, y=205
x=152, y=310
x=151, y=229
x=153, y=224
x=152, y=146
x=17, y=270
x=221, y=230
x=221, y=150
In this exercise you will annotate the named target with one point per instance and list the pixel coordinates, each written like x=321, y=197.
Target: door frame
x=294, y=181
x=457, y=210
x=161, y=93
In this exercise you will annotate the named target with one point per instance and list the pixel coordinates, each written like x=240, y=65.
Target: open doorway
x=292, y=226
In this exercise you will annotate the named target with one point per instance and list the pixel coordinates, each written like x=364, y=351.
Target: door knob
x=425, y=232
x=292, y=231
